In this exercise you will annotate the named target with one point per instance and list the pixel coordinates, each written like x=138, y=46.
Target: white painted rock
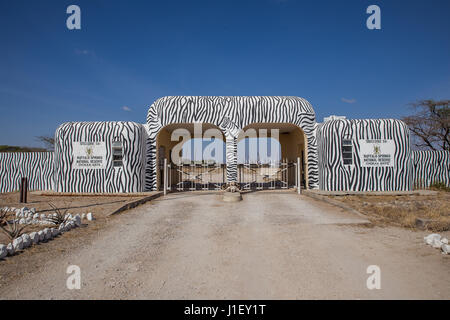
x=33, y=210
x=28, y=221
x=18, y=244
x=26, y=240
x=445, y=249
x=22, y=221
x=89, y=216
x=430, y=238
x=437, y=244
x=83, y=216
x=77, y=220
x=36, y=216
x=10, y=249
x=444, y=240
x=34, y=237
x=61, y=227
x=54, y=231
x=43, y=215
x=47, y=234
x=41, y=235
x=3, y=251
x=68, y=225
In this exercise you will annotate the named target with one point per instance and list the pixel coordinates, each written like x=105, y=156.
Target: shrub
x=10, y=228
x=59, y=217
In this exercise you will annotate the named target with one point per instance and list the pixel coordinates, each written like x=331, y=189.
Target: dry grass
x=404, y=210
x=99, y=206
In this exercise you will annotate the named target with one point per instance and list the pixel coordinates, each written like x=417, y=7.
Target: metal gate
x=196, y=176
x=255, y=176
x=251, y=176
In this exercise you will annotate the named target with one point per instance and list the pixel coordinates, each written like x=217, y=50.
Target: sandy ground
x=271, y=245
x=100, y=207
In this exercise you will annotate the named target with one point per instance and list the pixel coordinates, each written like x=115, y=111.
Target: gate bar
x=165, y=176
x=299, y=175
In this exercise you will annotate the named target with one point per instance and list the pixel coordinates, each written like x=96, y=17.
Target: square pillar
x=231, y=157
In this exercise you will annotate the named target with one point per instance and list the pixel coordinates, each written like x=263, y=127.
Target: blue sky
x=129, y=53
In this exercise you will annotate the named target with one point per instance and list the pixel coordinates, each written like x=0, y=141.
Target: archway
x=193, y=151
x=279, y=163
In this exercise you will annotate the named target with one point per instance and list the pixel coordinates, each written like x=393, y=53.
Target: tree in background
x=48, y=141
x=430, y=124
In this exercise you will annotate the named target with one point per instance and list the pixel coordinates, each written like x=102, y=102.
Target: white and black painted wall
x=430, y=167
x=364, y=155
x=36, y=166
x=105, y=157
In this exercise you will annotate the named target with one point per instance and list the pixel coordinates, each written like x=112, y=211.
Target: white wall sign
x=377, y=153
x=89, y=155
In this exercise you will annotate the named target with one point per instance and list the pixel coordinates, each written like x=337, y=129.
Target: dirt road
x=271, y=245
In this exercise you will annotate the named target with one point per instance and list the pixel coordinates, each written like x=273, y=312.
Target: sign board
x=377, y=153
x=89, y=155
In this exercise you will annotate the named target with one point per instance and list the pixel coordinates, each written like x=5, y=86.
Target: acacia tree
x=430, y=124
x=48, y=141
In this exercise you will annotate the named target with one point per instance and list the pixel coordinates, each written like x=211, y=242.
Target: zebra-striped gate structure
x=233, y=116
x=125, y=157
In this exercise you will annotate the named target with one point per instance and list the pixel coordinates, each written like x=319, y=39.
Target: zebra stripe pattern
x=128, y=178
x=335, y=176
x=231, y=114
x=231, y=156
x=430, y=167
x=36, y=166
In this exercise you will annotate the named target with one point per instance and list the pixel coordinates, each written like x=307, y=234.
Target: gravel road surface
x=271, y=245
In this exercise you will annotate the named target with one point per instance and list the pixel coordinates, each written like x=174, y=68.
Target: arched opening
x=277, y=147
x=195, y=153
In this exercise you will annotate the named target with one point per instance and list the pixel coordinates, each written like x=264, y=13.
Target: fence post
x=299, y=176
x=165, y=176
x=23, y=190
x=169, y=177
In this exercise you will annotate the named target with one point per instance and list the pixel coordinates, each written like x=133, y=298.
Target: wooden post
x=23, y=190
x=165, y=176
x=299, y=176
